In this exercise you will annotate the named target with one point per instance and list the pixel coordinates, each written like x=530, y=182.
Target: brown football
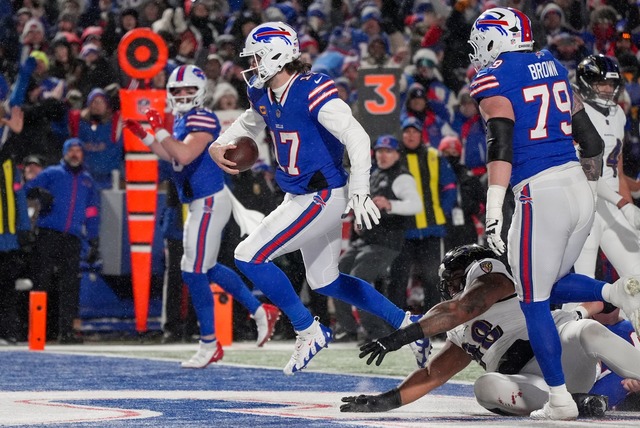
x=244, y=155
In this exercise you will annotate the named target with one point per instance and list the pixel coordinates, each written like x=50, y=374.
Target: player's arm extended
x=476, y=299
x=449, y=361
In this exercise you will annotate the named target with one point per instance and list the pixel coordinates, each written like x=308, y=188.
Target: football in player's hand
x=244, y=155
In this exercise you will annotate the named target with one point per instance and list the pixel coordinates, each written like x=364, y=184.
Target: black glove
x=93, y=255
x=372, y=403
x=44, y=197
x=26, y=239
x=392, y=342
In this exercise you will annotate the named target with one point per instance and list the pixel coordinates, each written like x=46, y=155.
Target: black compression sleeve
x=500, y=139
x=388, y=401
x=406, y=335
x=586, y=135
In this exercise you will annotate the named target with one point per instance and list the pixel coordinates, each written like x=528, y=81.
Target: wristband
x=162, y=134
x=388, y=401
x=148, y=139
x=407, y=335
x=495, y=200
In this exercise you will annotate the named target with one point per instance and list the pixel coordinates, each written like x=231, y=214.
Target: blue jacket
x=14, y=216
x=76, y=202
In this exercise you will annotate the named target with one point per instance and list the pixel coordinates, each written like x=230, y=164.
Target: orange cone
x=37, y=320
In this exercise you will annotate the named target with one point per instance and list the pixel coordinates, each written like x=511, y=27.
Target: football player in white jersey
x=200, y=184
x=484, y=323
x=311, y=127
x=617, y=219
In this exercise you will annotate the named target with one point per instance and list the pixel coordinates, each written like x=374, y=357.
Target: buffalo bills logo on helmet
x=199, y=73
x=266, y=34
x=489, y=21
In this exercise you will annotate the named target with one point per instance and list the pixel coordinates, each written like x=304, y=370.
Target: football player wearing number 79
x=311, y=127
x=532, y=119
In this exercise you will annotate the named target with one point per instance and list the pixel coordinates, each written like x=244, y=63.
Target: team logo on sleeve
x=263, y=110
x=486, y=266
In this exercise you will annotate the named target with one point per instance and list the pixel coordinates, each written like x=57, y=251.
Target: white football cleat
x=625, y=294
x=266, y=318
x=567, y=412
x=421, y=348
x=308, y=343
x=207, y=353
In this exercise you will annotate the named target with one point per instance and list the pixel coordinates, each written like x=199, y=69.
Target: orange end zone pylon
x=37, y=320
x=222, y=315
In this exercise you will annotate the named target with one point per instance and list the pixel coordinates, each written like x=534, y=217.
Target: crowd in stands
x=72, y=95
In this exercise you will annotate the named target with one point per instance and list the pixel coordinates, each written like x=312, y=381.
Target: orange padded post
x=223, y=315
x=141, y=172
x=37, y=320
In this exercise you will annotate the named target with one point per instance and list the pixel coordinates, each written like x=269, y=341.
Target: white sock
x=259, y=313
x=606, y=292
x=558, y=395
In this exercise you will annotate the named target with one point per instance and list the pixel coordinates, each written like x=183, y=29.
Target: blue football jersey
x=202, y=177
x=538, y=87
x=309, y=157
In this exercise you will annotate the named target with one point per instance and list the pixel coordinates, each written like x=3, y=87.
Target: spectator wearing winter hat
x=64, y=64
x=552, y=18
x=424, y=240
x=96, y=127
x=97, y=71
x=116, y=27
x=33, y=37
x=71, y=214
x=37, y=137
x=441, y=98
x=213, y=71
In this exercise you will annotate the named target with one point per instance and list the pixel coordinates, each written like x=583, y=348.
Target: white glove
x=632, y=214
x=493, y=223
x=363, y=210
x=164, y=23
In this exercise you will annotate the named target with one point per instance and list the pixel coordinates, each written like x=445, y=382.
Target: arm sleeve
x=336, y=117
x=409, y=201
x=586, y=135
x=250, y=124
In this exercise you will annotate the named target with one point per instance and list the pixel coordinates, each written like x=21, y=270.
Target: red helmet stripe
x=180, y=76
x=525, y=25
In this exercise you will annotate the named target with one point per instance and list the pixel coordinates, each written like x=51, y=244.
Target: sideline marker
x=37, y=320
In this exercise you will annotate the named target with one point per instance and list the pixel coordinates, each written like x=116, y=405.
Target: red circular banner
x=142, y=53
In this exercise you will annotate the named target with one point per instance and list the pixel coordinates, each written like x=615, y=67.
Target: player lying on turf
x=484, y=323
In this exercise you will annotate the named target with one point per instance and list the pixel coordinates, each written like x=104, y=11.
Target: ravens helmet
x=592, y=73
x=453, y=269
